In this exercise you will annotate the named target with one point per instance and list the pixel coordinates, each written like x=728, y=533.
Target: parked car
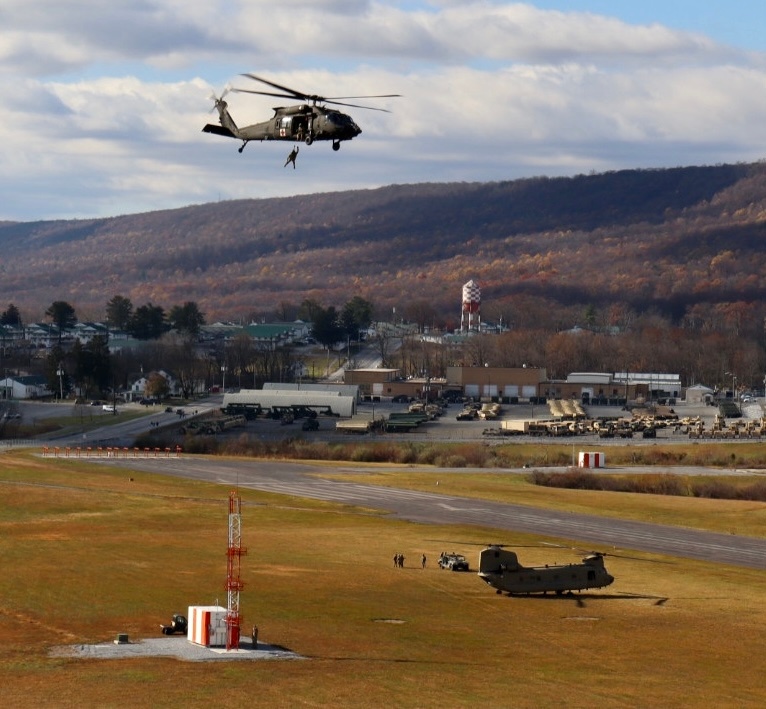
x=110, y=408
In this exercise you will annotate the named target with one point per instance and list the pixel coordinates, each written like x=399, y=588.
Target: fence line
x=110, y=452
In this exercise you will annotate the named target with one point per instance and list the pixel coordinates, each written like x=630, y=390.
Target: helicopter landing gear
x=241, y=147
x=309, y=139
x=336, y=145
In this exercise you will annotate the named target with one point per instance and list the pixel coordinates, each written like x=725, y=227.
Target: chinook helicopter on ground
x=501, y=569
x=303, y=123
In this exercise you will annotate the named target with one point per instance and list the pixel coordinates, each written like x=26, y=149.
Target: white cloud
x=105, y=101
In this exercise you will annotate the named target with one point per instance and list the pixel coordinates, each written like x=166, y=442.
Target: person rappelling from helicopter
x=291, y=157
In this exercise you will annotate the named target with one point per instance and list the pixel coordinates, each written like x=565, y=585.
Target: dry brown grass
x=89, y=553
x=478, y=454
x=729, y=516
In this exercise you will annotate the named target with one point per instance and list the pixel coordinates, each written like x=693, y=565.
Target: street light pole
x=60, y=372
x=223, y=380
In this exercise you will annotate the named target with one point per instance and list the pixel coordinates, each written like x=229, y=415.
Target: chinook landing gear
x=336, y=145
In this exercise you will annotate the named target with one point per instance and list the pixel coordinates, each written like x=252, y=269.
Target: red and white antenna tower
x=234, y=585
x=470, y=313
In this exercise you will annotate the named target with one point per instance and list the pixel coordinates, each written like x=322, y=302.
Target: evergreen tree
x=119, y=311
x=187, y=319
x=148, y=322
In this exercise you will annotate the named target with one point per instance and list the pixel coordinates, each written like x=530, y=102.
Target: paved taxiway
x=299, y=479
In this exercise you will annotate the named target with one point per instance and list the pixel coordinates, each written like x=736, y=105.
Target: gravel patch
x=178, y=647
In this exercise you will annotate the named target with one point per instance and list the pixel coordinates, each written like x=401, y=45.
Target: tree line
x=93, y=370
x=641, y=343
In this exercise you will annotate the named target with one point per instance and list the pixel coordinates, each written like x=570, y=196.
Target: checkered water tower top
x=471, y=297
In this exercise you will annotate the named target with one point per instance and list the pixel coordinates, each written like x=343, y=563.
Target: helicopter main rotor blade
x=314, y=98
x=354, y=105
x=292, y=92
x=582, y=550
x=334, y=98
x=268, y=93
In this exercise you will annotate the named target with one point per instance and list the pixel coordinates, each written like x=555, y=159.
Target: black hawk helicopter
x=305, y=122
x=501, y=569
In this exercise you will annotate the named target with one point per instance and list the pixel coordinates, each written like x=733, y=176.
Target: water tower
x=470, y=315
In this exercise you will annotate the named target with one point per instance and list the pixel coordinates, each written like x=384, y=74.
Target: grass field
x=90, y=551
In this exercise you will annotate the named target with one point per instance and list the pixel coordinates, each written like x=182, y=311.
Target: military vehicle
x=453, y=562
x=501, y=569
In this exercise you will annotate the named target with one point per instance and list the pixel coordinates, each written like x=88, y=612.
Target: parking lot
x=446, y=427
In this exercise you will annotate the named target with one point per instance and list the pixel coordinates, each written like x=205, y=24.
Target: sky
x=104, y=100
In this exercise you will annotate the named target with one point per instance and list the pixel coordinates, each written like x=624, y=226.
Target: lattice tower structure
x=234, y=584
x=470, y=314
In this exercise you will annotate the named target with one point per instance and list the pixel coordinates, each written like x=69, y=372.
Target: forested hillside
x=688, y=244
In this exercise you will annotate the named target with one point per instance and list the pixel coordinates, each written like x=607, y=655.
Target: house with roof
x=271, y=335
x=86, y=331
x=41, y=335
x=28, y=386
x=137, y=390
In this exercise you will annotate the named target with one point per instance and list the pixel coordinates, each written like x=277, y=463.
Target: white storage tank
x=207, y=626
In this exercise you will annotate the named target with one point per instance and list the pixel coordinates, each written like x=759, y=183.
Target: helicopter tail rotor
x=218, y=101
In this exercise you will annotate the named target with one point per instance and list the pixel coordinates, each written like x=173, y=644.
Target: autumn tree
x=287, y=312
x=157, y=386
x=309, y=309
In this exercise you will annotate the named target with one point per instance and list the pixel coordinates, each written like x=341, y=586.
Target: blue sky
x=737, y=22
x=104, y=100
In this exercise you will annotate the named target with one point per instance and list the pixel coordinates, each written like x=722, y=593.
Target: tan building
x=508, y=384
x=505, y=384
x=379, y=383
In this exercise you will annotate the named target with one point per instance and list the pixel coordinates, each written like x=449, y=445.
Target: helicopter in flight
x=302, y=123
x=501, y=569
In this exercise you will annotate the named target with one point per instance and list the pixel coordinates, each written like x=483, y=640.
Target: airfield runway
x=301, y=480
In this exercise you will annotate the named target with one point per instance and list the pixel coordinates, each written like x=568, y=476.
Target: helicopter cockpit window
x=339, y=119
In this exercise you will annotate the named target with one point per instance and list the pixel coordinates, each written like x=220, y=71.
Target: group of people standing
x=399, y=561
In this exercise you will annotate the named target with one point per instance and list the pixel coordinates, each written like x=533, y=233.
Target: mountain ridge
x=631, y=236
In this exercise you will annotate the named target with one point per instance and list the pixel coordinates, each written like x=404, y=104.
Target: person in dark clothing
x=291, y=157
